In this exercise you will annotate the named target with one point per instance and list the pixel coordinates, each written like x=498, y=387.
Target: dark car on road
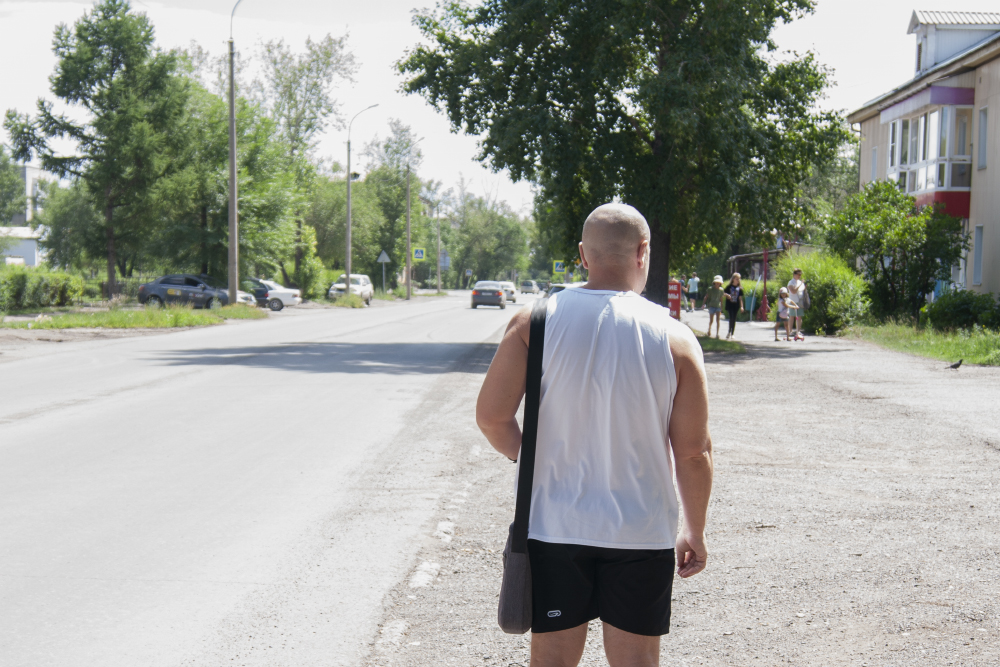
x=182, y=288
x=488, y=293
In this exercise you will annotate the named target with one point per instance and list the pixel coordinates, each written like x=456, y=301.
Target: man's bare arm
x=503, y=388
x=692, y=447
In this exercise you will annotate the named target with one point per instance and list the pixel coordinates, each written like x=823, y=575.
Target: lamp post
x=347, y=260
x=409, y=251
x=234, y=242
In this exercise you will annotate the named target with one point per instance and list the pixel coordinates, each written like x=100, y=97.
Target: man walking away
x=623, y=387
x=693, y=283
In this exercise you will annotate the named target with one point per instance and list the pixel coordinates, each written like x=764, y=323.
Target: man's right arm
x=692, y=447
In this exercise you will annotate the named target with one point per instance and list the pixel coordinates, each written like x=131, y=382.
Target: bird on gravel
x=956, y=364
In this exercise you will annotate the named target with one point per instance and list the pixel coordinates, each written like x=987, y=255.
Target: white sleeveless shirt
x=603, y=469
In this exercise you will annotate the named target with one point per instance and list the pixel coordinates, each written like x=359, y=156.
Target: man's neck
x=611, y=283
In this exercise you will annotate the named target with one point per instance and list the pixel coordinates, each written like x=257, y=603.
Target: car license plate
x=173, y=292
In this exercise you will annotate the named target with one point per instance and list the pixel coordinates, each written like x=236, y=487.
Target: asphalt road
x=239, y=494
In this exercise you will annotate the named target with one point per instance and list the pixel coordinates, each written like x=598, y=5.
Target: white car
x=529, y=287
x=360, y=285
x=510, y=290
x=278, y=296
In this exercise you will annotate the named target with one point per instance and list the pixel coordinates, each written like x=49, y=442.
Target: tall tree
x=128, y=90
x=676, y=106
x=297, y=91
x=12, y=199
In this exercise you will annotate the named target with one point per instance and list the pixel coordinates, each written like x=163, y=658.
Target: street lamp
x=409, y=257
x=234, y=244
x=347, y=262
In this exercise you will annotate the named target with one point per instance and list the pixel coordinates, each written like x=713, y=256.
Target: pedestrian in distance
x=713, y=301
x=797, y=293
x=783, y=319
x=684, y=294
x=623, y=392
x=734, y=303
x=692, y=286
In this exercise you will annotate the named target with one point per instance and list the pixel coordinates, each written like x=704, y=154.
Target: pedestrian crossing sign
x=558, y=266
x=418, y=254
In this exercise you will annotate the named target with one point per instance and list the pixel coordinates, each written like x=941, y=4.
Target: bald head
x=612, y=234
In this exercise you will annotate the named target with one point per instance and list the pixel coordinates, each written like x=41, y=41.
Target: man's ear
x=642, y=255
x=583, y=258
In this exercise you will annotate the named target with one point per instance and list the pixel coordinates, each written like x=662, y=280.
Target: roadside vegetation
x=709, y=344
x=973, y=346
x=169, y=317
x=349, y=301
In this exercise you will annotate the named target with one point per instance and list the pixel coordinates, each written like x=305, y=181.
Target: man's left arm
x=503, y=388
x=692, y=447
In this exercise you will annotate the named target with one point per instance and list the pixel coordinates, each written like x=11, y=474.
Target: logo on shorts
x=554, y=613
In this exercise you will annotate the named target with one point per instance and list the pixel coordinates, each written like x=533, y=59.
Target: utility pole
x=409, y=251
x=350, y=177
x=436, y=207
x=234, y=237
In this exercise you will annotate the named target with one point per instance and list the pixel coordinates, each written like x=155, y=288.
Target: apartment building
x=935, y=136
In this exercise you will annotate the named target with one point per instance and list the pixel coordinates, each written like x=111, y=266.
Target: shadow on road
x=390, y=358
x=773, y=351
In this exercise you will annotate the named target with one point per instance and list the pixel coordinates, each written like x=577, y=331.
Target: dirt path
x=854, y=521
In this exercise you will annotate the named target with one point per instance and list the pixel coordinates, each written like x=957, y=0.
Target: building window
x=982, y=138
x=977, y=257
x=922, y=148
x=943, y=136
x=933, y=134
x=961, y=175
x=904, y=143
x=874, y=163
x=963, y=136
x=892, y=143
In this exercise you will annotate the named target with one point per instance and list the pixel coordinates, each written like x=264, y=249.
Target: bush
x=836, y=292
x=25, y=287
x=963, y=309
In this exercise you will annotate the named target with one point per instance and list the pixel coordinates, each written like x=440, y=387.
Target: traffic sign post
x=559, y=270
x=419, y=254
x=383, y=259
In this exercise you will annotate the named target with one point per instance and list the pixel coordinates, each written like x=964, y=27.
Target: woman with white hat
x=713, y=300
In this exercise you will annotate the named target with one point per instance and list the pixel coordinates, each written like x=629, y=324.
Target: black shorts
x=627, y=588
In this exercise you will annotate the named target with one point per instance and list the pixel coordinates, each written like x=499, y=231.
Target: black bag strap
x=529, y=430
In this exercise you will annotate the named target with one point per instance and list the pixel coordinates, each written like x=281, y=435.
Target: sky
x=863, y=41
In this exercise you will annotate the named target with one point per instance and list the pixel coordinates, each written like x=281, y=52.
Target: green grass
x=169, y=317
x=978, y=346
x=709, y=344
x=386, y=296
x=349, y=301
x=242, y=312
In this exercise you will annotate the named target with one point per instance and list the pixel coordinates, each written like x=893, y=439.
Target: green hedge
x=963, y=309
x=22, y=287
x=836, y=292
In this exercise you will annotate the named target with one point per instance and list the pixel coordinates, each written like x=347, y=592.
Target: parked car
x=272, y=295
x=488, y=293
x=360, y=285
x=510, y=290
x=555, y=288
x=529, y=287
x=186, y=289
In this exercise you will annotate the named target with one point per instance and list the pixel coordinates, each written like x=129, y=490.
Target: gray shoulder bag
x=514, y=610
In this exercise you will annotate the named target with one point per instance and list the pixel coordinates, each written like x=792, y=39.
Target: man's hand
x=692, y=555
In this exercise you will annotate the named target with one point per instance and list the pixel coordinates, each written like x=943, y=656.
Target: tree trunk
x=109, y=232
x=659, y=264
x=284, y=274
x=204, y=240
x=298, y=246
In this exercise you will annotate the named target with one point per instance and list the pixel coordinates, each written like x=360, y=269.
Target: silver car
x=510, y=291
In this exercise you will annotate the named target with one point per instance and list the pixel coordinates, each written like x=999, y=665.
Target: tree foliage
x=107, y=66
x=12, y=199
x=903, y=251
x=676, y=106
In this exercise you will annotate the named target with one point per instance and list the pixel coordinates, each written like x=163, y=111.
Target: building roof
x=965, y=19
x=20, y=232
x=987, y=49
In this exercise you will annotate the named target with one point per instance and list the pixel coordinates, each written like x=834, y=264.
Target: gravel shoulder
x=854, y=521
